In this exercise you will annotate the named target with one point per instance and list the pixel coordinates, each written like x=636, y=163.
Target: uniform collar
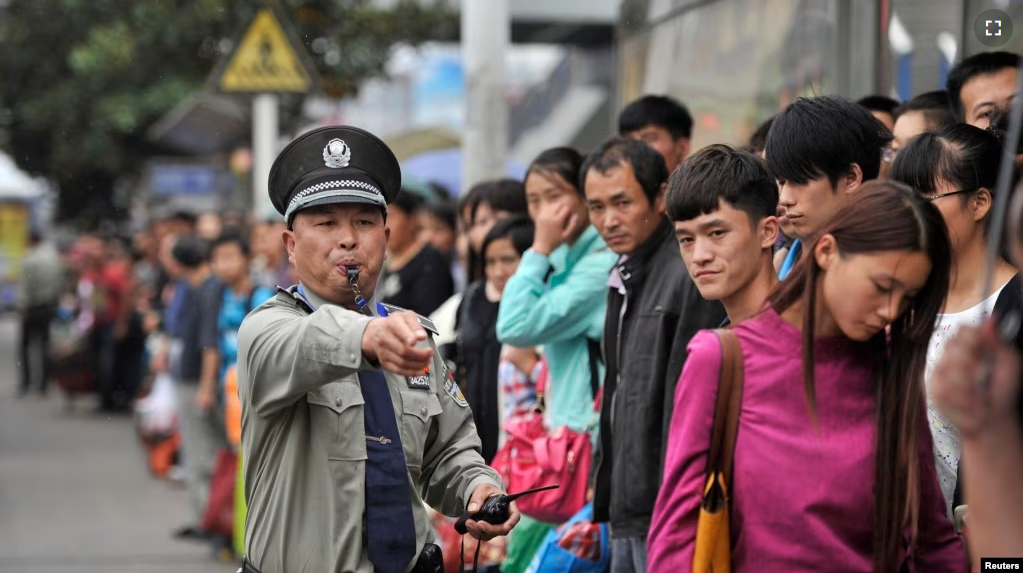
x=311, y=299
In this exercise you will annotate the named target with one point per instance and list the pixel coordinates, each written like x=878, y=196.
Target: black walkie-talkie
x=495, y=509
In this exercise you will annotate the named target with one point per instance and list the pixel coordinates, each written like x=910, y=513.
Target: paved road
x=75, y=494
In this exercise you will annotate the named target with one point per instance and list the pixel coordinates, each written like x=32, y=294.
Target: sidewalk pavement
x=75, y=493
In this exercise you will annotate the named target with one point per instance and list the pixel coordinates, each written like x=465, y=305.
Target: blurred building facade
x=574, y=64
x=560, y=76
x=735, y=63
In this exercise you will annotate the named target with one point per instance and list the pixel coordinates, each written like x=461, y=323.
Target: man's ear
x=826, y=251
x=659, y=200
x=683, y=143
x=288, y=238
x=768, y=231
x=980, y=204
x=853, y=179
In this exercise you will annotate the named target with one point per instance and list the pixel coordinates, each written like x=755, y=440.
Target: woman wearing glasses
x=956, y=169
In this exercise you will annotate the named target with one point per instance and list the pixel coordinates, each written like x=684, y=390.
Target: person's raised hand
x=957, y=387
x=394, y=342
x=553, y=228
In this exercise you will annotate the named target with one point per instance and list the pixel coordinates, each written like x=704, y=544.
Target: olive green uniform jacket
x=304, y=445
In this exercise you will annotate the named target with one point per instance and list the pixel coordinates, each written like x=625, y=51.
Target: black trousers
x=104, y=351
x=35, y=346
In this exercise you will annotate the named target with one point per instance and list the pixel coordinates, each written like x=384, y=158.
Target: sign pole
x=264, y=140
x=485, y=34
x=268, y=59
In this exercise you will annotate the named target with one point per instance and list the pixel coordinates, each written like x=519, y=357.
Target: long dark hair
x=518, y=229
x=500, y=195
x=964, y=155
x=884, y=216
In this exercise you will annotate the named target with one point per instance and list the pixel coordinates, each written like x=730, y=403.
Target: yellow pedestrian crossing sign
x=266, y=61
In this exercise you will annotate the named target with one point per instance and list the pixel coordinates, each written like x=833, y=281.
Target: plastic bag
x=157, y=413
x=578, y=546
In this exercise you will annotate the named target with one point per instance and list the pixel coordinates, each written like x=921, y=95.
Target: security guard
x=350, y=419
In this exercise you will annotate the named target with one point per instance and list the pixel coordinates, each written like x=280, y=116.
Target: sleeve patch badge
x=452, y=389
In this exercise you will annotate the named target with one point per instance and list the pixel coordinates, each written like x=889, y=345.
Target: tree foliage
x=82, y=80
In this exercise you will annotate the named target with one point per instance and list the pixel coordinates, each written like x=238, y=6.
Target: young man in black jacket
x=649, y=295
x=661, y=122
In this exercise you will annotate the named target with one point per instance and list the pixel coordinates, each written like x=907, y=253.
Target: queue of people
x=843, y=250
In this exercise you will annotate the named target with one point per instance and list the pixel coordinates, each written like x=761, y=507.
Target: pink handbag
x=531, y=457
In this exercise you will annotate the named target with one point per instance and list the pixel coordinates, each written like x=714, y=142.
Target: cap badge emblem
x=337, y=154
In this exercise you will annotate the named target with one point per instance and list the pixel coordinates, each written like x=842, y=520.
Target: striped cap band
x=336, y=191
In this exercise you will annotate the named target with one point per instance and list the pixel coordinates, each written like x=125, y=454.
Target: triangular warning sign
x=265, y=61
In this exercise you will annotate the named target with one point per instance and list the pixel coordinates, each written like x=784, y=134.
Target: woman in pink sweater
x=833, y=466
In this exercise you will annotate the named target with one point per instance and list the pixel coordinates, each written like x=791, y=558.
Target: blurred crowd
x=843, y=233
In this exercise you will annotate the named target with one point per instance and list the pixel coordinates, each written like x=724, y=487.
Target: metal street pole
x=485, y=37
x=264, y=142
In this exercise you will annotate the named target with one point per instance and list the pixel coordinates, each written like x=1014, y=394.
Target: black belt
x=430, y=561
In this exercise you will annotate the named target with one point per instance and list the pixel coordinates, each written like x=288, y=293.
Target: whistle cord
x=462, y=555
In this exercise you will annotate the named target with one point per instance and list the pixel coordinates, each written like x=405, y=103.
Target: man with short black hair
x=196, y=373
x=982, y=82
x=930, y=111
x=661, y=122
x=649, y=295
x=722, y=202
x=820, y=151
x=230, y=259
x=759, y=137
x=416, y=276
x=42, y=278
x=883, y=108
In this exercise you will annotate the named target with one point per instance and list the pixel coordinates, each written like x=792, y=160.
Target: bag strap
x=594, y=355
x=542, y=377
x=541, y=387
x=594, y=358
x=727, y=405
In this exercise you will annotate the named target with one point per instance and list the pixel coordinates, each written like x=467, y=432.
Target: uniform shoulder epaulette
x=424, y=321
x=292, y=295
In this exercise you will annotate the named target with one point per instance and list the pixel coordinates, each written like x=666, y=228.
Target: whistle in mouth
x=352, y=272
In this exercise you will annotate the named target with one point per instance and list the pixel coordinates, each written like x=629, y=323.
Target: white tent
x=15, y=183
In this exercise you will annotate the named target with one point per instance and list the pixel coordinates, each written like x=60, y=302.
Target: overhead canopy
x=409, y=143
x=204, y=123
x=15, y=183
x=444, y=166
